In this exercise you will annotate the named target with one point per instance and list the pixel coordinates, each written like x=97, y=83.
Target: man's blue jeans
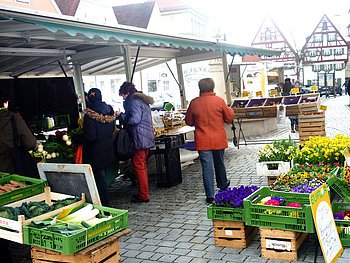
x=210, y=161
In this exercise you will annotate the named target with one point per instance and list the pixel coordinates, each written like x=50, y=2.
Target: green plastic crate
x=343, y=226
x=33, y=187
x=340, y=187
x=279, y=217
x=74, y=243
x=225, y=213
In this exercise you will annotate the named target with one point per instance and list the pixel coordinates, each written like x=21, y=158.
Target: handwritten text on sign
x=325, y=225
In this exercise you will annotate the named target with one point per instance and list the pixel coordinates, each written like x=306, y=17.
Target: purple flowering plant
x=233, y=197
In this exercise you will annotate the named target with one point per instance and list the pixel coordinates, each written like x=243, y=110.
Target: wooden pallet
x=104, y=251
x=280, y=244
x=233, y=234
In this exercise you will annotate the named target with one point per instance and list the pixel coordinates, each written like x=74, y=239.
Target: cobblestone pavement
x=173, y=226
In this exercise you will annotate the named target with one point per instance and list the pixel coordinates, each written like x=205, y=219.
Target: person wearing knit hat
x=98, y=151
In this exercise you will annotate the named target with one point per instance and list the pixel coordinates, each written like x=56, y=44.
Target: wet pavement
x=173, y=226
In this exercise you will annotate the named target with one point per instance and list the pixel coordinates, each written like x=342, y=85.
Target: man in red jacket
x=208, y=113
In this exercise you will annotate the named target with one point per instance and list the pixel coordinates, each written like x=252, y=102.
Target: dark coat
x=28, y=140
x=138, y=119
x=99, y=125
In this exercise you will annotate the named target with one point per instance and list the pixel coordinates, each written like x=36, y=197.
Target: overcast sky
x=241, y=19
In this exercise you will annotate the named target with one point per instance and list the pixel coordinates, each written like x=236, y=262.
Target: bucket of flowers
x=275, y=159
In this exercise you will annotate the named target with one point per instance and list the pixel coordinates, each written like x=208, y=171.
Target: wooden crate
x=280, y=244
x=311, y=124
x=309, y=103
x=240, y=113
x=159, y=131
x=233, y=234
x=271, y=179
x=13, y=229
x=104, y=251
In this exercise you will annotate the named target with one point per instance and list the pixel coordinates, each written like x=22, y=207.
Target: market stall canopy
x=32, y=44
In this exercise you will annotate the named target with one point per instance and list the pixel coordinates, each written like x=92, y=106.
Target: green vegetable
x=8, y=212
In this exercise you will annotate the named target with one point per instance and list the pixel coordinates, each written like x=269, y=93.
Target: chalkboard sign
x=325, y=225
x=71, y=179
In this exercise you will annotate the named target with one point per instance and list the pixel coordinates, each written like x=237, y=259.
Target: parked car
x=330, y=91
x=305, y=89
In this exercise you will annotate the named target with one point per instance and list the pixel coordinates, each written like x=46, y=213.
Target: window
x=152, y=85
x=318, y=38
x=316, y=68
x=328, y=67
x=312, y=53
x=327, y=52
x=339, y=66
x=113, y=85
x=339, y=51
x=332, y=37
x=166, y=85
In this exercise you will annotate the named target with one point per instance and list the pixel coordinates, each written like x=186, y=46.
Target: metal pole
x=133, y=69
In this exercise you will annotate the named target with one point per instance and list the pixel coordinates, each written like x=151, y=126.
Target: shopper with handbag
x=137, y=120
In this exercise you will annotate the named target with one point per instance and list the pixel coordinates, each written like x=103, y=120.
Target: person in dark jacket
x=27, y=139
x=98, y=151
x=138, y=122
x=7, y=164
x=287, y=87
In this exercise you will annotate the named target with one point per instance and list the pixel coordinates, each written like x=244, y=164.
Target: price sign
x=245, y=93
x=324, y=223
x=323, y=107
x=314, y=88
x=295, y=90
x=258, y=93
x=273, y=92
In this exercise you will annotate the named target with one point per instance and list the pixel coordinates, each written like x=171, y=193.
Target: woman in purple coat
x=138, y=122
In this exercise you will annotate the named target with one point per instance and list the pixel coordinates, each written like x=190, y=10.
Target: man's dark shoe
x=226, y=186
x=209, y=200
x=136, y=199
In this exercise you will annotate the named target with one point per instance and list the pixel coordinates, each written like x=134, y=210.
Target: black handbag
x=124, y=147
x=25, y=164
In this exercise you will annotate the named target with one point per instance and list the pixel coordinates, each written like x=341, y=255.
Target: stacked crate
x=280, y=244
x=309, y=103
x=229, y=227
x=311, y=124
x=282, y=229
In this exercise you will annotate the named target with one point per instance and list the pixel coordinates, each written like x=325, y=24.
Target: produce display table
x=106, y=250
x=272, y=107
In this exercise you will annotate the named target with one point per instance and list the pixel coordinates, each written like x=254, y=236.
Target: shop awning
x=32, y=44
